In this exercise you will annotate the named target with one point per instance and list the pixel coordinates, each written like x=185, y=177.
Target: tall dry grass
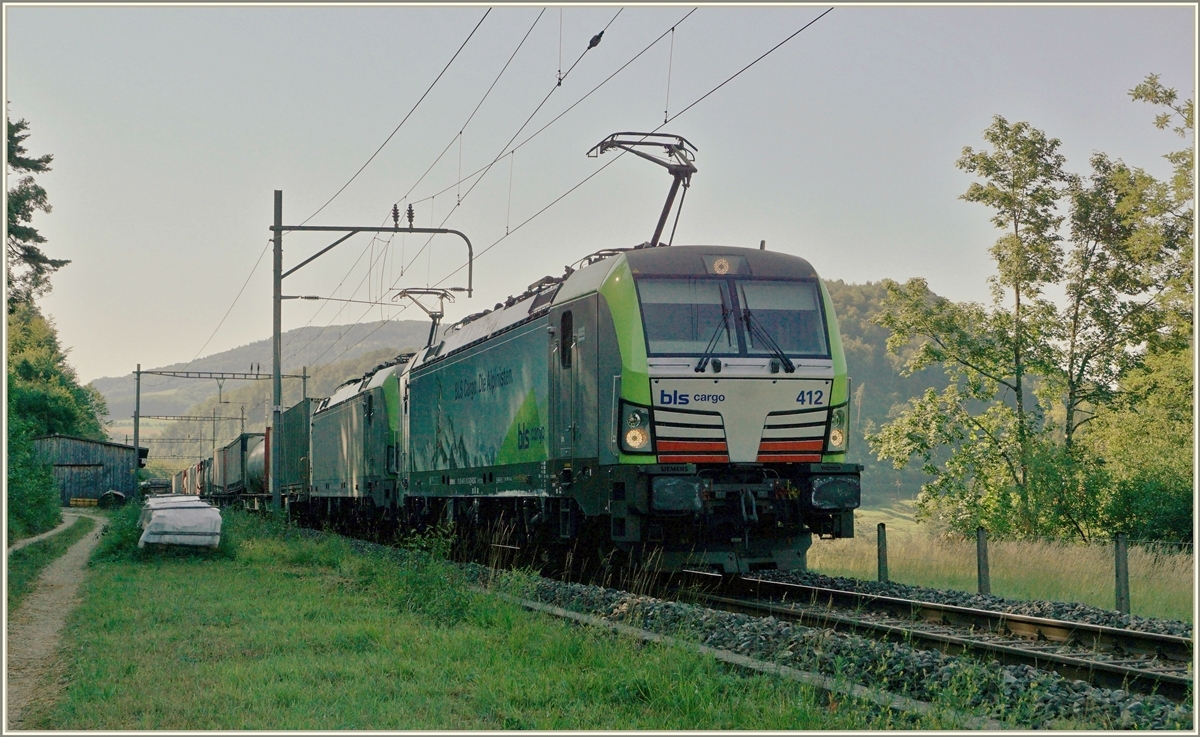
x=1160, y=583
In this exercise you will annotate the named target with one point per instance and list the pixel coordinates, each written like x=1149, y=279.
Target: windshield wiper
x=712, y=342
x=755, y=328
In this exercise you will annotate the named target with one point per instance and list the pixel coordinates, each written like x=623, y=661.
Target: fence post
x=981, y=556
x=1122, y=566
x=882, y=552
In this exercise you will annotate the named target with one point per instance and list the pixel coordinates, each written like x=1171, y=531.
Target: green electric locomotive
x=684, y=406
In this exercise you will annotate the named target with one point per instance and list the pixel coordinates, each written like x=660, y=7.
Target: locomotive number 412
x=810, y=397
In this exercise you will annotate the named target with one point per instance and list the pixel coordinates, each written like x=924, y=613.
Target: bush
x=33, y=497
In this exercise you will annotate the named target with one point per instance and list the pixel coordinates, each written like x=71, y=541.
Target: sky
x=171, y=127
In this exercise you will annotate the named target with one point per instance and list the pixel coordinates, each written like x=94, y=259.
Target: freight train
x=680, y=406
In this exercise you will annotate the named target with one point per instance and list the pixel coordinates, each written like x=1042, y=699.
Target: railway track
x=1138, y=662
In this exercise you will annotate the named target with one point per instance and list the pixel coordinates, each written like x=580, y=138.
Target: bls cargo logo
x=527, y=435
x=679, y=398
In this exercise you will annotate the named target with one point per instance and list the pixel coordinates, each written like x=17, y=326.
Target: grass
x=278, y=631
x=1161, y=584
x=26, y=564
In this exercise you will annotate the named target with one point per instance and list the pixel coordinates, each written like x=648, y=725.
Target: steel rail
x=980, y=623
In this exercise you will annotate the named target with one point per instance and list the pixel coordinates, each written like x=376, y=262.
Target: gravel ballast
x=1066, y=611
x=1021, y=695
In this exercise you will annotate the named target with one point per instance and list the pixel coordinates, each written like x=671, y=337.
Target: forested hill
x=307, y=346
x=877, y=385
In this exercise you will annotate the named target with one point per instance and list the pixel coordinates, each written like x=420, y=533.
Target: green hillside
x=253, y=399
x=308, y=346
x=877, y=387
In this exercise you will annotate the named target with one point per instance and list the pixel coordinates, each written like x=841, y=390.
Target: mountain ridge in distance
x=307, y=346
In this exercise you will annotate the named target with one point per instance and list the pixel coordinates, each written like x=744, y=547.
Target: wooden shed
x=85, y=469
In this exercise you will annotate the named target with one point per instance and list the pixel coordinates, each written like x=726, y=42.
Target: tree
x=1121, y=278
x=997, y=457
x=1146, y=442
x=877, y=386
x=1174, y=205
x=33, y=502
x=29, y=269
x=43, y=390
x=986, y=416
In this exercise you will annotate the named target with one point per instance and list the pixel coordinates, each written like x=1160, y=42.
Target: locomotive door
x=573, y=366
x=564, y=372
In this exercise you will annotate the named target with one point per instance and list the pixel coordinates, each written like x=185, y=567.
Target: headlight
x=635, y=429
x=637, y=438
x=837, y=431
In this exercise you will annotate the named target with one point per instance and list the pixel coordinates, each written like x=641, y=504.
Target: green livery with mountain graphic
x=486, y=407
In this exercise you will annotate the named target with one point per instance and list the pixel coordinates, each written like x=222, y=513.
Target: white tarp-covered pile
x=177, y=519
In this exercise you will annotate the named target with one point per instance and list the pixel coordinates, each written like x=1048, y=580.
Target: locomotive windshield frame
x=721, y=329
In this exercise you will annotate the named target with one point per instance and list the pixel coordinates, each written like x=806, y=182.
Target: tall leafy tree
x=29, y=268
x=1121, y=279
x=43, y=390
x=986, y=418
x=1028, y=374
x=1172, y=205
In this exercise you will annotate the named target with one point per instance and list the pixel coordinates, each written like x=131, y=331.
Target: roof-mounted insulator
x=396, y=215
x=545, y=280
x=410, y=216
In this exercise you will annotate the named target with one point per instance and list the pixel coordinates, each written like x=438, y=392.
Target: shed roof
x=86, y=440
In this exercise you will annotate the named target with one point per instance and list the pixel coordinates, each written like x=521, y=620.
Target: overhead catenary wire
x=422, y=177
x=403, y=265
x=591, y=45
x=673, y=117
x=504, y=151
x=349, y=271
x=402, y=122
x=470, y=117
x=558, y=117
x=499, y=240
x=768, y=52
x=321, y=332
x=508, y=213
x=223, y=317
x=618, y=156
x=527, y=140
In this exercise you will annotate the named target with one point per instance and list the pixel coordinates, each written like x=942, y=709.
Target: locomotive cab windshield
x=720, y=316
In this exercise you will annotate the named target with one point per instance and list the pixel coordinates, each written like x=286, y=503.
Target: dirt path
x=68, y=520
x=35, y=629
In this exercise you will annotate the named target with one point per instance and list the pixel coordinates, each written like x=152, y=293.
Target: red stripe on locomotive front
x=692, y=446
x=775, y=446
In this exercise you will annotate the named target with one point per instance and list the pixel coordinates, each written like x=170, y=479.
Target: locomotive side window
x=566, y=339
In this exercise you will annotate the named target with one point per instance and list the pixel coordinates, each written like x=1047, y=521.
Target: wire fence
x=1161, y=574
